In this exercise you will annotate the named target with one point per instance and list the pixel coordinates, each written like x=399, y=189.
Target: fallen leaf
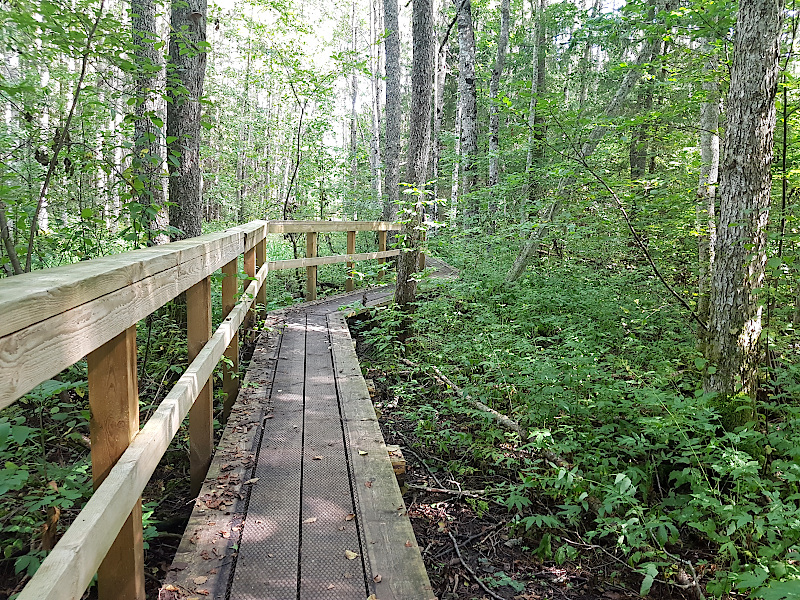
x=362, y=453
x=350, y=555
x=408, y=543
x=377, y=579
x=310, y=520
x=202, y=592
x=319, y=457
x=330, y=586
x=372, y=597
x=350, y=517
x=368, y=484
x=171, y=588
x=200, y=580
x=249, y=481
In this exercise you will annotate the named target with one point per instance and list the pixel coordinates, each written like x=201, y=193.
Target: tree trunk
x=148, y=157
x=186, y=72
x=393, y=116
x=244, y=140
x=375, y=139
x=745, y=185
x=419, y=145
x=438, y=107
x=468, y=102
x=354, y=116
x=707, y=188
x=494, y=109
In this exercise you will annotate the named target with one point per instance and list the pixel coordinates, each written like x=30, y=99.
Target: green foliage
x=622, y=448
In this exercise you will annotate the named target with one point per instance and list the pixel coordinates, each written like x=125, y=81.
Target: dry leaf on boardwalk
x=350, y=555
x=310, y=520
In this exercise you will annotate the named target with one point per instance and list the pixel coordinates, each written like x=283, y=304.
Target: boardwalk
x=301, y=500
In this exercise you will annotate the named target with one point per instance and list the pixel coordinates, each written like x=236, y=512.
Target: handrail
x=55, y=317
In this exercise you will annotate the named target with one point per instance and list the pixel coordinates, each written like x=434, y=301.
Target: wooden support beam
x=311, y=271
x=250, y=270
x=261, y=258
x=351, y=249
x=328, y=226
x=300, y=263
x=114, y=404
x=381, y=248
x=201, y=415
x=421, y=262
x=230, y=370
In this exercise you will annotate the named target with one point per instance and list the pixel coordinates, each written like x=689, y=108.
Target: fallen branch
x=503, y=420
x=477, y=579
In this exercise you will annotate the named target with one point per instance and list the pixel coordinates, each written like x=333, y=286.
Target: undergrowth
x=624, y=455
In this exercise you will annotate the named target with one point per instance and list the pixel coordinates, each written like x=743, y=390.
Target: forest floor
x=464, y=540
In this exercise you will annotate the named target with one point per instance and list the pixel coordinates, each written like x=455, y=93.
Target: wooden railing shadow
x=56, y=317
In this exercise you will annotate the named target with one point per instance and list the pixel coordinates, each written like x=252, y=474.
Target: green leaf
x=86, y=213
x=650, y=576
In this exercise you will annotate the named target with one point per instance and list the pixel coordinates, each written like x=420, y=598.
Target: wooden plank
x=261, y=258
x=330, y=226
x=211, y=539
x=114, y=404
x=33, y=297
x=250, y=271
x=381, y=248
x=390, y=542
x=299, y=263
x=351, y=250
x=230, y=372
x=44, y=349
x=201, y=415
x=311, y=270
x=67, y=571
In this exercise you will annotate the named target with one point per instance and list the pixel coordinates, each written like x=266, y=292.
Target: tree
x=494, y=91
x=393, y=116
x=185, y=76
x=147, y=158
x=418, y=146
x=467, y=101
x=745, y=183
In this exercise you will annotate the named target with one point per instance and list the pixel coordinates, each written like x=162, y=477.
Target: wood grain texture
x=114, y=404
x=381, y=248
x=68, y=569
x=250, y=271
x=230, y=372
x=330, y=226
x=391, y=545
x=351, y=250
x=311, y=271
x=299, y=263
x=261, y=258
x=41, y=350
x=33, y=297
x=201, y=415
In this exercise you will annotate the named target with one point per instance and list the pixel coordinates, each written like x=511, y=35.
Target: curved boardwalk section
x=301, y=501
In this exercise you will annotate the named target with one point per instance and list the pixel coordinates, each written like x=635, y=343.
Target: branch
x=450, y=27
x=477, y=579
x=59, y=141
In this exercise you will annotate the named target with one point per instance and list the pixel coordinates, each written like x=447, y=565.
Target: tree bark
x=707, y=188
x=438, y=115
x=468, y=102
x=536, y=118
x=375, y=139
x=186, y=72
x=393, y=116
x=354, y=115
x=418, y=147
x=244, y=140
x=148, y=156
x=494, y=109
x=745, y=185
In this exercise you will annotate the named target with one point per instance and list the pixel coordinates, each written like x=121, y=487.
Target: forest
x=614, y=180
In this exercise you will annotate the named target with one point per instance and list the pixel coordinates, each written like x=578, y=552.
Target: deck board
x=316, y=512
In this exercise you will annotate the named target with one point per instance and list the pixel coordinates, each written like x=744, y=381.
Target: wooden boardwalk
x=301, y=501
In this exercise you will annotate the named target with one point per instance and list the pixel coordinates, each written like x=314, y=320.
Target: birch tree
x=393, y=116
x=467, y=101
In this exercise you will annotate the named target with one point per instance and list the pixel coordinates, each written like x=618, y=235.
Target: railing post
x=381, y=248
x=351, y=249
x=250, y=270
x=114, y=404
x=201, y=415
x=230, y=370
x=261, y=258
x=311, y=272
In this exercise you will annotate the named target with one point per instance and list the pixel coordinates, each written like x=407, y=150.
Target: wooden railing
x=51, y=319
